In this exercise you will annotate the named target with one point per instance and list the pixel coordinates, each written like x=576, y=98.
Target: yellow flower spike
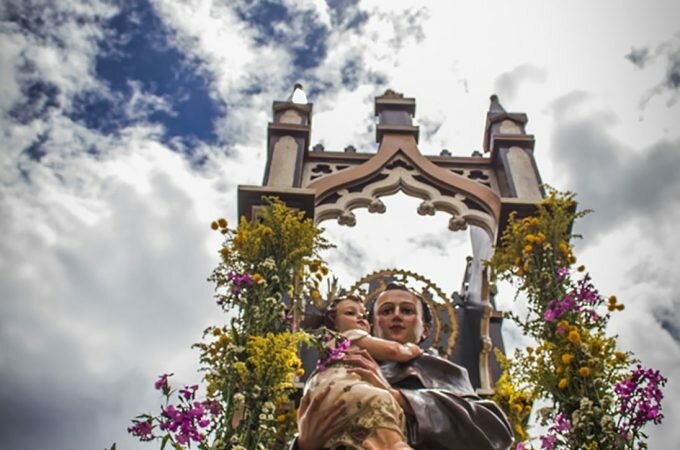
x=266, y=231
x=567, y=358
x=563, y=384
x=534, y=221
x=584, y=371
x=299, y=372
x=530, y=238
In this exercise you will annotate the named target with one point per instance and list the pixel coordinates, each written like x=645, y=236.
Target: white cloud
x=106, y=251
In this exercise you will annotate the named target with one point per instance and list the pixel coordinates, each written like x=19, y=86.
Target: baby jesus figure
x=375, y=419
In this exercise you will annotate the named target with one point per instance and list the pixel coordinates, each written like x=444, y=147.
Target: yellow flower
x=528, y=248
x=316, y=295
x=299, y=372
x=530, y=238
x=222, y=223
x=257, y=277
x=574, y=337
x=540, y=238
x=324, y=270
x=581, y=268
x=620, y=356
x=584, y=371
x=620, y=307
x=612, y=300
x=567, y=358
x=216, y=331
x=281, y=418
x=214, y=225
x=564, y=248
x=563, y=383
x=267, y=231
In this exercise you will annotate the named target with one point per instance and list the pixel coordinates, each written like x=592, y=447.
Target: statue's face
x=351, y=315
x=398, y=316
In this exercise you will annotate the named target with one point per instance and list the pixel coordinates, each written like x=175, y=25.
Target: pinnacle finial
x=495, y=105
x=298, y=95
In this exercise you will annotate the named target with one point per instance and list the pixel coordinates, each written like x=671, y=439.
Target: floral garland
x=251, y=365
x=597, y=400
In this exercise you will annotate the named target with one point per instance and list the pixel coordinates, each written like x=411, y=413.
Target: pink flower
x=143, y=429
x=162, y=383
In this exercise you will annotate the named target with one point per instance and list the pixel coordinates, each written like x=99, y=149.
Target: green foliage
x=250, y=365
x=576, y=366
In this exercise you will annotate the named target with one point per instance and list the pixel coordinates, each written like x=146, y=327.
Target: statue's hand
x=366, y=367
x=316, y=427
x=369, y=371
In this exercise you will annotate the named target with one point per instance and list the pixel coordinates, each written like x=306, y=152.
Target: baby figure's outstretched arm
x=384, y=350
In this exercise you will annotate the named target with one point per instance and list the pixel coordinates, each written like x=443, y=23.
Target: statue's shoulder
x=441, y=373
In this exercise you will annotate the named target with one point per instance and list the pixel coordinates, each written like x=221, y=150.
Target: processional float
x=479, y=192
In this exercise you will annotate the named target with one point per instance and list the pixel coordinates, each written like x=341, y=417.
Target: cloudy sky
x=127, y=126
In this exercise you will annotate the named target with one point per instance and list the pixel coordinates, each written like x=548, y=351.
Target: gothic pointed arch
x=399, y=166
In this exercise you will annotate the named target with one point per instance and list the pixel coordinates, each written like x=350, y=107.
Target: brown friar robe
x=447, y=415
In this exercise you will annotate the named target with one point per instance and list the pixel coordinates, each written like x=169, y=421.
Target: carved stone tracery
x=401, y=175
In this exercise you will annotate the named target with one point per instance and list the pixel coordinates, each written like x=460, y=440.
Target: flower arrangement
x=268, y=267
x=596, y=400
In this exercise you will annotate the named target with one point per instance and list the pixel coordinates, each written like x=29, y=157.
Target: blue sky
x=128, y=125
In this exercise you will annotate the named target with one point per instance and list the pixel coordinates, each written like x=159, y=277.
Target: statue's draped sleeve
x=446, y=412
